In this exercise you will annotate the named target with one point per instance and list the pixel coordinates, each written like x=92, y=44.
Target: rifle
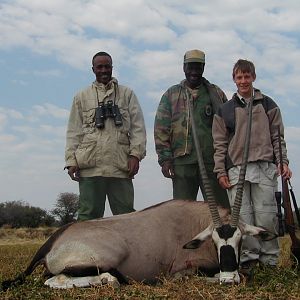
x=279, y=214
x=297, y=213
x=288, y=213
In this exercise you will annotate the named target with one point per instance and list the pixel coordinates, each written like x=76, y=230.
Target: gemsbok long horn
x=235, y=214
x=206, y=184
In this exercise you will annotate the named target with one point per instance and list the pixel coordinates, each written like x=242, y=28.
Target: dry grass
x=24, y=235
x=281, y=283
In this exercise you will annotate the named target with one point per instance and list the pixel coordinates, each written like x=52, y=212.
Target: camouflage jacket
x=172, y=128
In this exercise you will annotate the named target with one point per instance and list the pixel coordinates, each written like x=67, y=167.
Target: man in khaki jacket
x=106, y=140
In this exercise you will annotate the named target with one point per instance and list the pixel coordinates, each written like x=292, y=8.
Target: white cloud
x=49, y=109
x=158, y=65
x=32, y=159
x=147, y=40
x=8, y=113
x=3, y=119
x=20, y=82
x=6, y=139
x=47, y=73
x=292, y=134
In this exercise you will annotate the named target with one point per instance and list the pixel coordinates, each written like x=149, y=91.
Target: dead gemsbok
x=143, y=245
x=170, y=237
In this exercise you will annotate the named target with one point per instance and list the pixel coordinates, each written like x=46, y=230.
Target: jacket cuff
x=138, y=155
x=220, y=174
x=163, y=160
x=70, y=163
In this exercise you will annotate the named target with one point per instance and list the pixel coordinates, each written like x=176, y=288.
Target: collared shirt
x=243, y=99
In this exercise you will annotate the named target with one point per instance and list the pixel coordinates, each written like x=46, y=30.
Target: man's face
x=244, y=83
x=193, y=73
x=102, y=68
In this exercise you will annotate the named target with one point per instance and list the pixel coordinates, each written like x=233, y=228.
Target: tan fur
x=140, y=245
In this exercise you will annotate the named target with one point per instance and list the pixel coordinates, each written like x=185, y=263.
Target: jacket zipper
x=187, y=123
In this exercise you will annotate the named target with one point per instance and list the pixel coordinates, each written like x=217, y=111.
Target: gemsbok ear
x=194, y=244
x=197, y=241
x=266, y=236
x=258, y=232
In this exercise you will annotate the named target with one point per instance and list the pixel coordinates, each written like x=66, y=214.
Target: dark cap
x=194, y=56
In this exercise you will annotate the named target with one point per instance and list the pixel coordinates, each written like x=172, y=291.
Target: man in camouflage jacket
x=172, y=130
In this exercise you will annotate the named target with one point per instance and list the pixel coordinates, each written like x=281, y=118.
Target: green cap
x=194, y=56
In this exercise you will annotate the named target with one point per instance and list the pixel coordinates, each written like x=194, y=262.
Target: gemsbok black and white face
x=227, y=240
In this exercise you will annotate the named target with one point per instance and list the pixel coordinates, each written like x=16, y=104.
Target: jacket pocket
x=233, y=174
x=122, y=152
x=85, y=155
x=88, y=121
x=268, y=173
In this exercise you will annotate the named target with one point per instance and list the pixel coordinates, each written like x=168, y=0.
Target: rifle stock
x=295, y=203
x=289, y=217
x=288, y=213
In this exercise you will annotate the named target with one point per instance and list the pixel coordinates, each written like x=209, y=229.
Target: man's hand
x=133, y=166
x=167, y=169
x=224, y=182
x=286, y=172
x=74, y=173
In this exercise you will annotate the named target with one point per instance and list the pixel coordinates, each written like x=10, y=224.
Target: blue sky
x=45, y=58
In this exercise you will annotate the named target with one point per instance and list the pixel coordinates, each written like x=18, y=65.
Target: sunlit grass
x=281, y=283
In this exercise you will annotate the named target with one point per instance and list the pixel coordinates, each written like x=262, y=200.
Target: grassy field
x=18, y=246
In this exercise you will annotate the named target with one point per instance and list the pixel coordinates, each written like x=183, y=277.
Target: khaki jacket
x=104, y=152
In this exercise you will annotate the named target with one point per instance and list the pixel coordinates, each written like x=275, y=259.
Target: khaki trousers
x=258, y=208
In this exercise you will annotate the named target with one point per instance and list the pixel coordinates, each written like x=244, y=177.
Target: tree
x=66, y=208
x=21, y=214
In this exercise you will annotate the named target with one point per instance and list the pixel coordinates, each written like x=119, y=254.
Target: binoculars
x=107, y=110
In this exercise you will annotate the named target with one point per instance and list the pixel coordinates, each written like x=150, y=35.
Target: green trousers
x=94, y=190
x=188, y=180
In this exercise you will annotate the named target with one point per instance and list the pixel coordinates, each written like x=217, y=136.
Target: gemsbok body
x=143, y=246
